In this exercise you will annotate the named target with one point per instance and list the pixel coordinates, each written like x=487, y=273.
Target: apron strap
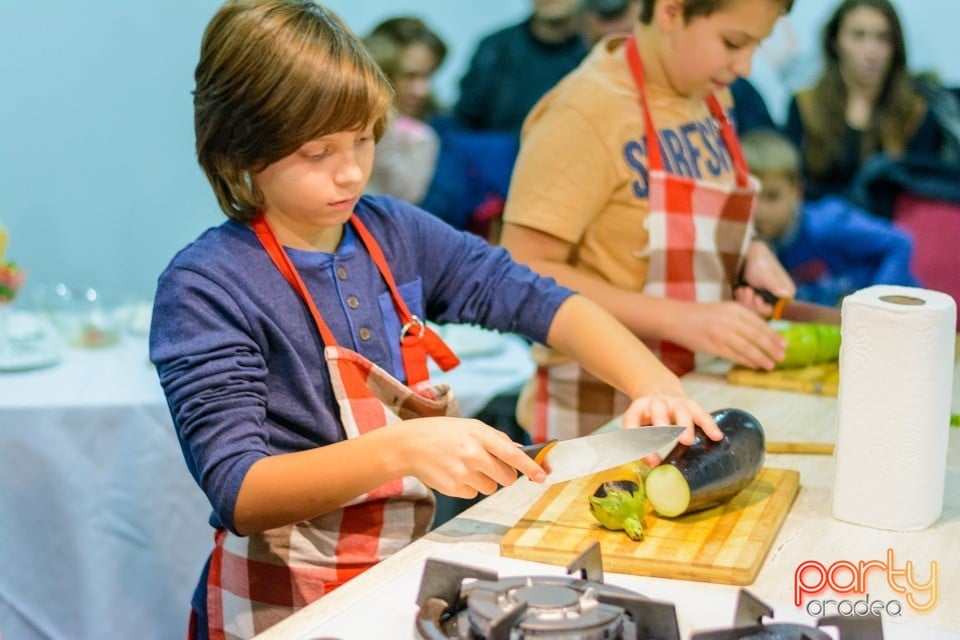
x=282, y=260
x=730, y=139
x=654, y=155
x=415, y=336
x=417, y=340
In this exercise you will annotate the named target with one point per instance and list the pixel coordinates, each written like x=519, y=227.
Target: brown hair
x=897, y=113
x=388, y=40
x=693, y=8
x=272, y=75
x=770, y=154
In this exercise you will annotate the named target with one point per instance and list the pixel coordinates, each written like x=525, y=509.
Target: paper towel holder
x=905, y=300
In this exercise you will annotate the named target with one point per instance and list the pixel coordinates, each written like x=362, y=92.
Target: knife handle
x=539, y=451
x=769, y=297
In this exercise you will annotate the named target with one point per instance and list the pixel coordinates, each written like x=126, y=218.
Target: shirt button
x=365, y=334
x=353, y=302
x=341, y=273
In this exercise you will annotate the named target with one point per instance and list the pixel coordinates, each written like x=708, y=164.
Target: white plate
x=468, y=341
x=31, y=343
x=25, y=360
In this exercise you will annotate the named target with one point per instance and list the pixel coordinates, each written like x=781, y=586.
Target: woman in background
x=864, y=102
x=409, y=53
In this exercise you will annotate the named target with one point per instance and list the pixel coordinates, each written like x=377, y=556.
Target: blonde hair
x=273, y=75
x=770, y=154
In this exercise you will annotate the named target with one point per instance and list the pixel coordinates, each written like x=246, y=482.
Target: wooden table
x=381, y=602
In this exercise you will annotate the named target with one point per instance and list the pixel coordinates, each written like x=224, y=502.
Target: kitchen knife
x=568, y=459
x=789, y=309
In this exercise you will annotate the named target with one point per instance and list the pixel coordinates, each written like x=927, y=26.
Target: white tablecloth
x=102, y=530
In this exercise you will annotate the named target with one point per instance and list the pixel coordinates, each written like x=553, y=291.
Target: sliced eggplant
x=707, y=473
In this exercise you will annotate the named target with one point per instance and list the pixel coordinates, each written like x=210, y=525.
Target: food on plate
x=707, y=473
x=11, y=277
x=810, y=343
x=620, y=505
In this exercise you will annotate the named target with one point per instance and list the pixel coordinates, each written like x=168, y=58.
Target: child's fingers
x=512, y=460
x=487, y=485
x=705, y=421
x=660, y=411
x=672, y=410
x=652, y=460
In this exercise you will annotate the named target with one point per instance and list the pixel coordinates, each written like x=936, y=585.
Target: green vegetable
x=810, y=343
x=620, y=505
x=955, y=419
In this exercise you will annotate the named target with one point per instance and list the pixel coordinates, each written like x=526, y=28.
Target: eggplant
x=809, y=343
x=620, y=505
x=707, y=473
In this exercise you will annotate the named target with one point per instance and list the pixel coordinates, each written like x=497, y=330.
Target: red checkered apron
x=699, y=233
x=255, y=581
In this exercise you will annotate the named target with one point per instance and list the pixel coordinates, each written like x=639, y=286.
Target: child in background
x=409, y=53
x=291, y=342
x=630, y=187
x=830, y=247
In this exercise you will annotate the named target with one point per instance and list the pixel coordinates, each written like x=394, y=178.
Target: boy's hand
x=659, y=409
x=763, y=270
x=731, y=331
x=462, y=457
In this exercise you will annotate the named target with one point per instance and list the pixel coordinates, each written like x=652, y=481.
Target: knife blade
x=567, y=459
x=786, y=308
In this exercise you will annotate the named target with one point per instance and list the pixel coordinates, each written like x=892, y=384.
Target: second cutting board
x=818, y=379
x=726, y=544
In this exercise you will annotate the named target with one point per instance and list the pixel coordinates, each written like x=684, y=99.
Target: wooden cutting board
x=819, y=379
x=726, y=544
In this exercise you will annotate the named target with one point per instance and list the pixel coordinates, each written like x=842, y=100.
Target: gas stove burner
x=749, y=625
x=553, y=607
x=465, y=603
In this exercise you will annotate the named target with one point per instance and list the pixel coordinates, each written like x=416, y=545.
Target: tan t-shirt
x=581, y=174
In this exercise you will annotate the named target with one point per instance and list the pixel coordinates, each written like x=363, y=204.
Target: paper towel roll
x=893, y=409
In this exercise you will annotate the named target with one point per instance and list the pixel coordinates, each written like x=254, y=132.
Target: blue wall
x=98, y=181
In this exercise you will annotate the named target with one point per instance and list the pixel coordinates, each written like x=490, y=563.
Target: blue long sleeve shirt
x=241, y=361
x=833, y=248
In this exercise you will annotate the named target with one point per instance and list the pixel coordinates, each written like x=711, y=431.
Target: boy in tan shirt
x=659, y=236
